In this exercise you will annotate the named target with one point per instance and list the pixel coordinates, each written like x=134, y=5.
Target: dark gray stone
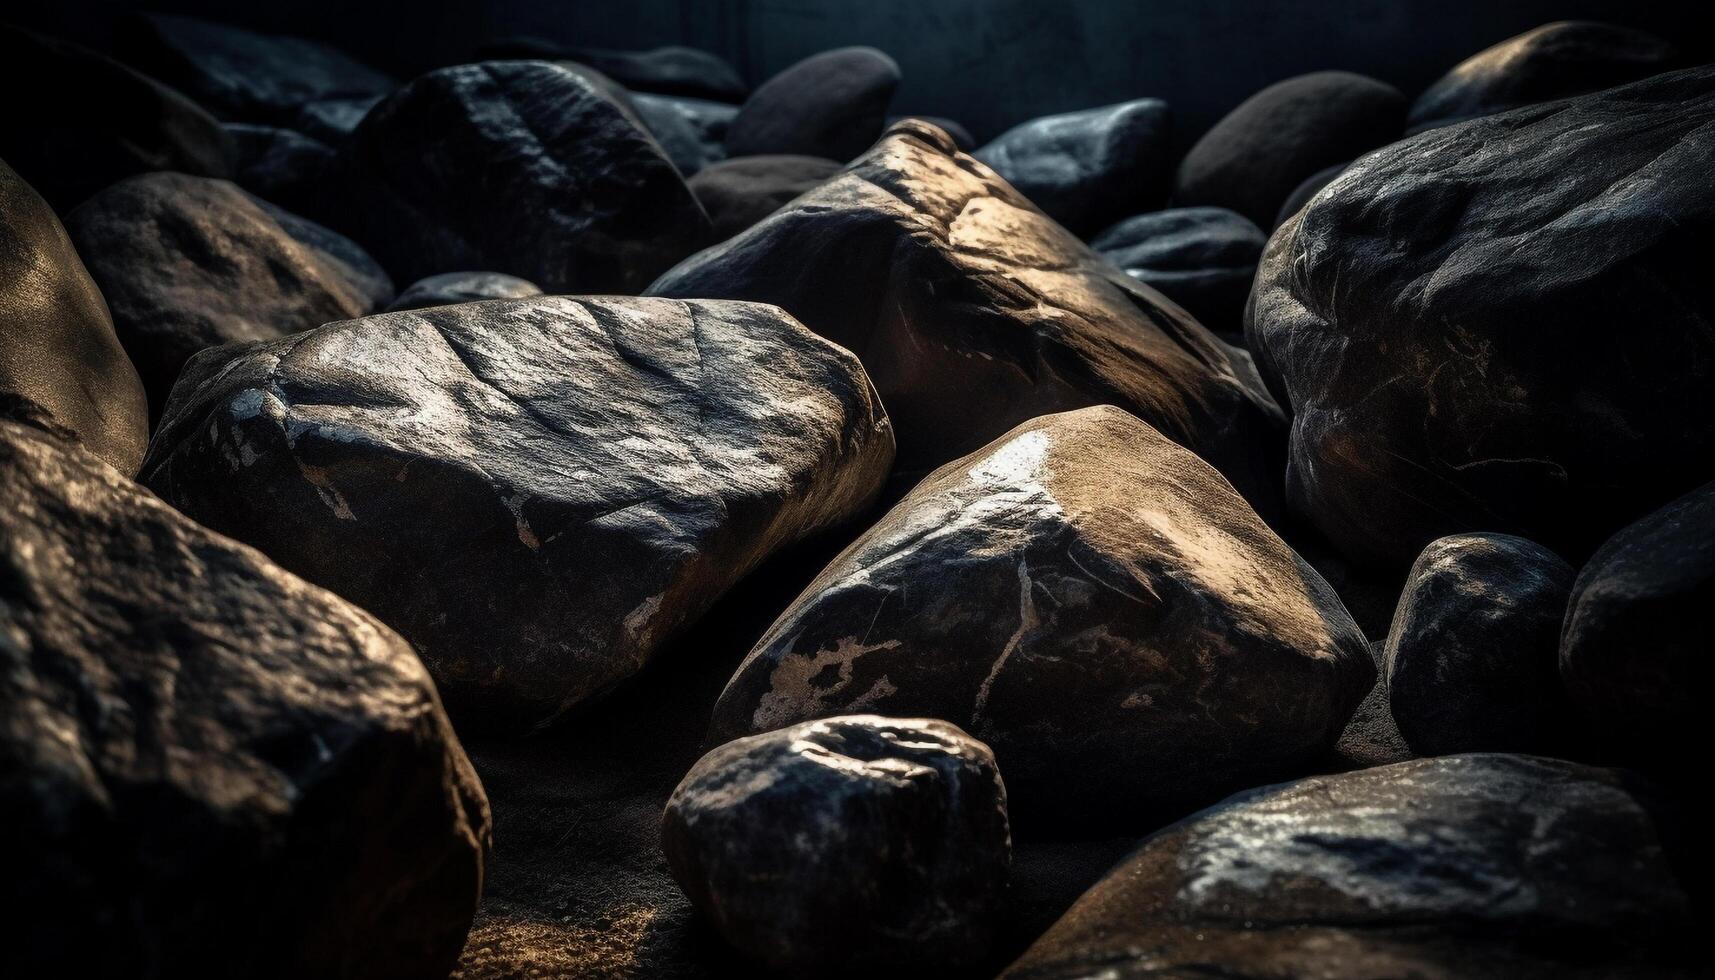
x=740, y=192
x=1088, y=169
x=462, y=287
x=280, y=165
x=832, y=105
x=683, y=131
x=1311, y=186
x=672, y=70
x=1201, y=258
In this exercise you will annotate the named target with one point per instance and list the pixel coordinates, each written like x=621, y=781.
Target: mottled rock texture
x=740, y=192
x=1201, y=258
x=832, y=104
x=1088, y=169
x=462, y=287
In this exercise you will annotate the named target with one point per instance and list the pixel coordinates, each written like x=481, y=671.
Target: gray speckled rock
x=538, y=493
x=832, y=104
x=1442, y=321
x=847, y=845
x=1092, y=601
x=462, y=287
x=211, y=765
x=1201, y=258
x=1488, y=866
x=1089, y=168
x=740, y=192
x=1472, y=658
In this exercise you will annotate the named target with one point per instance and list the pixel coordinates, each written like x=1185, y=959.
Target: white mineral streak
x=791, y=697
x=1027, y=621
x=526, y=535
x=319, y=478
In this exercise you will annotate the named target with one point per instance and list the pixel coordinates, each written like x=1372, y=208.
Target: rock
x=462, y=287
x=1372, y=737
x=962, y=137
x=1302, y=194
x=455, y=470
x=672, y=70
x=738, y=193
x=709, y=119
x=89, y=121
x=188, y=263
x=574, y=196
x=1442, y=320
x=281, y=165
x=1554, y=61
x=1255, y=156
x=1093, y=602
x=944, y=279
x=1471, y=659
x=681, y=132
x=213, y=766
x=1634, y=651
x=1463, y=866
x=334, y=120
x=832, y=104
x=60, y=363
x=1085, y=169
x=1201, y=258
x=846, y=845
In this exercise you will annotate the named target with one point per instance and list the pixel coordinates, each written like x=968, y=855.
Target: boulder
x=832, y=104
x=280, y=165
x=538, y=493
x=1481, y=866
x=188, y=263
x=1201, y=258
x=1092, y=601
x=682, y=131
x=334, y=120
x=462, y=287
x=1472, y=657
x=1302, y=194
x=574, y=196
x=944, y=280
x=672, y=70
x=962, y=137
x=1258, y=153
x=60, y=363
x=208, y=766
x=845, y=846
x=88, y=121
x=740, y=192
x=1442, y=320
x=1554, y=61
x=1086, y=169
x=1634, y=650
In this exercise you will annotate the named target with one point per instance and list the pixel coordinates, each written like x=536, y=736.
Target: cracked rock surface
x=536, y=492
x=1093, y=602
x=1445, y=321
x=1496, y=866
x=214, y=767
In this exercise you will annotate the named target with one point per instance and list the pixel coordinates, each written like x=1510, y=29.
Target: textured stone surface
x=60, y=361
x=462, y=287
x=1201, y=258
x=972, y=312
x=188, y=263
x=1463, y=866
x=1472, y=658
x=1442, y=320
x=1087, y=169
x=848, y=844
x=536, y=492
x=574, y=195
x=208, y=766
x=1093, y=602
x=740, y=192
x=1254, y=157
x=832, y=104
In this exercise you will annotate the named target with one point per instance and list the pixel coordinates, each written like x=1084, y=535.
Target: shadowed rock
x=738, y=193
x=692, y=132
x=462, y=287
x=1201, y=258
x=671, y=70
x=1087, y=169
x=1311, y=186
x=282, y=166
x=832, y=104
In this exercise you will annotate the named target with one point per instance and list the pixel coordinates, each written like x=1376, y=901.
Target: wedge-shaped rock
x=1093, y=602
x=208, y=766
x=536, y=492
x=1492, y=866
x=973, y=312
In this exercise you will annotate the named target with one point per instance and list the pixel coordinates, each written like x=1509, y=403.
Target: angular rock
x=1201, y=258
x=740, y=192
x=574, y=196
x=972, y=312
x=188, y=263
x=832, y=104
x=1302, y=194
x=1443, y=318
x=60, y=362
x=1634, y=652
x=1554, y=61
x=1258, y=153
x=962, y=137
x=281, y=165
x=462, y=287
x=1472, y=659
x=211, y=765
x=1497, y=866
x=1089, y=168
x=81, y=121
x=1093, y=602
x=846, y=845
x=672, y=70
x=538, y=493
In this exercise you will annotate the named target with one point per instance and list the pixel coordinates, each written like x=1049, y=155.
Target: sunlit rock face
x=536, y=492
x=208, y=766
x=847, y=844
x=973, y=312
x=1092, y=601
x=1460, y=866
x=1502, y=325
x=60, y=362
